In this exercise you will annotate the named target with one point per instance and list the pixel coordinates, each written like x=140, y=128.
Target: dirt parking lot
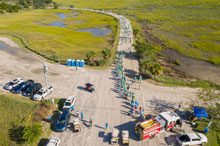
x=104, y=105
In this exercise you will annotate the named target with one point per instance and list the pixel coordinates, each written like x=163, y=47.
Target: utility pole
x=45, y=70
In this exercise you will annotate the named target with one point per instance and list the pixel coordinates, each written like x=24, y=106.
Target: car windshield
x=40, y=92
x=22, y=84
x=184, y=138
x=67, y=103
x=11, y=83
x=61, y=121
x=30, y=88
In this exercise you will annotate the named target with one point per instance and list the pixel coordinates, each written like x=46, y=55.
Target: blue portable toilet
x=68, y=62
x=73, y=62
x=81, y=63
x=77, y=63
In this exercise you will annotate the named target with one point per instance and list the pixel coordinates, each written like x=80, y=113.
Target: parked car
x=30, y=83
x=18, y=89
x=192, y=139
x=69, y=103
x=61, y=124
x=43, y=92
x=32, y=90
x=53, y=141
x=13, y=83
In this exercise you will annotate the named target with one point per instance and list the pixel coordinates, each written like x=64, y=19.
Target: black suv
x=32, y=90
x=22, y=86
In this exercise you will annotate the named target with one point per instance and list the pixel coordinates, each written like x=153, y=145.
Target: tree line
x=35, y=3
x=147, y=55
x=11, y=7
x=93, y=59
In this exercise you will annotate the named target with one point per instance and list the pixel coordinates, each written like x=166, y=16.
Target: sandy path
x=105, y=104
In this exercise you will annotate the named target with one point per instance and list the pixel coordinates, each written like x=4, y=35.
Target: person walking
x=180, y=105
x=106, y=125
x=90, y=122
x=77, y=114
x=81, y=114
x=140, y=108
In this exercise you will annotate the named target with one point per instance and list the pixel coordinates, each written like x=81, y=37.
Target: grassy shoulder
x=56, y=42
x=171, y=81
x=17, y=111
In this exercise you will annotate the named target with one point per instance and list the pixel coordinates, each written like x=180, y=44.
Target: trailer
x=125, y=137
x=114, y=138
x=76, y=125
x=164, y=121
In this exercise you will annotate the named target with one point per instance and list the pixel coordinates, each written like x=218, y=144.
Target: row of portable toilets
x=76, y=63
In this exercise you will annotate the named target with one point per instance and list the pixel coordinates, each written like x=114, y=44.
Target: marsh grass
x=195, y=23
x=50, y=41
x=14, y=111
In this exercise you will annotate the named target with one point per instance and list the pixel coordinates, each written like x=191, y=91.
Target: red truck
x=149, y=128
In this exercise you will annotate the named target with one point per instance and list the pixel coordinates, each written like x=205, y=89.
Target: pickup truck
x=43, y=92
x=192, y=139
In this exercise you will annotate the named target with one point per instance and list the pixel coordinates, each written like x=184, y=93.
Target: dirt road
x=104, y=105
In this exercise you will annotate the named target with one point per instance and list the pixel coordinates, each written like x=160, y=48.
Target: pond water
x=17, y=52
x=62, y=15
x=2, y=45
x=97, y=31
x=58, y=24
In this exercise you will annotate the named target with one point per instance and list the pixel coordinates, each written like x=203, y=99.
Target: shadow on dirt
x=60, y=103
x=161, y=105
x=43, y=142
x=171, y=140
x=129, y=126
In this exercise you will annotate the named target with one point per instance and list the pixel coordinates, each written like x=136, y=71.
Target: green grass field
x=14, y=111
x=31, y=25
x=190, y=27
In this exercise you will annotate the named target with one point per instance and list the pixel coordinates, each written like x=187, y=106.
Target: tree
x=31, y=134
x=156, y=69
x=55, y=5
x=106, y=53
x=90, y=57
x=136, y=31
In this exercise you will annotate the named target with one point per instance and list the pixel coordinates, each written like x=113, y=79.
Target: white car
x=192, y=139
x=69, y=103
x=43, y=92
x=13, y=83
x=53, y=141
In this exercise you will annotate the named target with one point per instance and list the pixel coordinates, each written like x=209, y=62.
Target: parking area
x=104, y=105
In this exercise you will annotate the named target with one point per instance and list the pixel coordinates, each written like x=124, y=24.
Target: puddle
x=62, y=15
x=8, y=49
x=57, y=24
x=196, y=68
x=17, y=52
x=97, y=31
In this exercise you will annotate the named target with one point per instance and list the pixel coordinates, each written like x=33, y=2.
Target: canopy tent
x=200, y=112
